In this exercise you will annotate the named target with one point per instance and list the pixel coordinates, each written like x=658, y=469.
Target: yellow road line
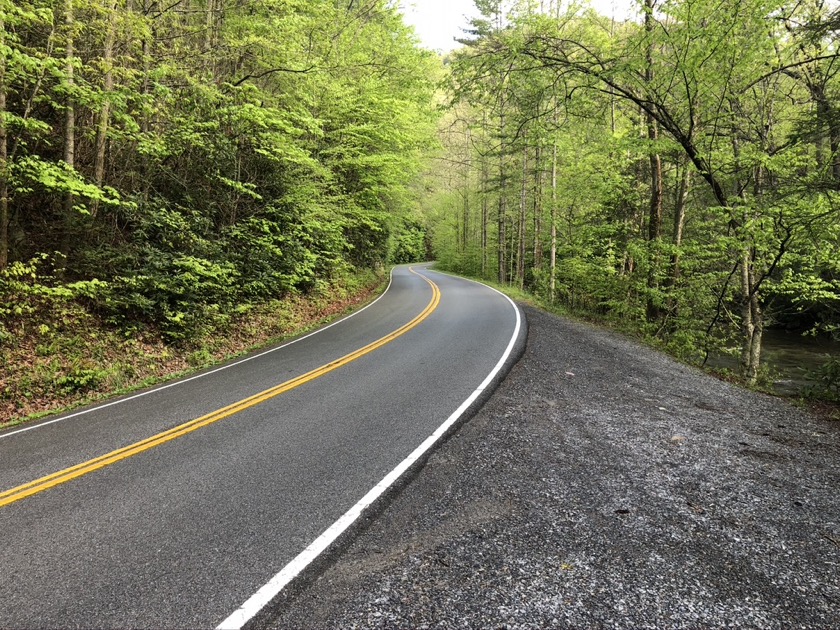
x=63, y=476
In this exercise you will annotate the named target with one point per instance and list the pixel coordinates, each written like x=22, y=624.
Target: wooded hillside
x=170, y=161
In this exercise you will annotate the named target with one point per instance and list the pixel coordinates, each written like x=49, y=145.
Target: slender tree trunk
x=209, y=26
x=148, y=51
x=552, y=260
x=523, y=217
x=105, y=112
x=69, y=128
x=215, y=14
x=484, y=216
x=655, y=207
x=466, y=184
x=485, y=189
x=70, y=110
x=538, y=186
x=834, y=143
x=674, y=271
x=752, y=320
x=827, y=117
x=752, y=316
x=502, y=218
x=148, y=46
x=4, y=159
x=612, y=96
x=679, y=220
x=465, y=233
x=654, y=310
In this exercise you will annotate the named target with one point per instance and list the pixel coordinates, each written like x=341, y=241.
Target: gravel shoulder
x=603, y=484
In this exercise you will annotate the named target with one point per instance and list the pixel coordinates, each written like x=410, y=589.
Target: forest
x=170, y=167
x=173, y=172
x=678, y=172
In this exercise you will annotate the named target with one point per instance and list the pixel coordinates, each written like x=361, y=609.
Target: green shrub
x=80, y=380
x=825, y=381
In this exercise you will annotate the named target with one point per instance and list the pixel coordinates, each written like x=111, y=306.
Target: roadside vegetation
x=677, y=174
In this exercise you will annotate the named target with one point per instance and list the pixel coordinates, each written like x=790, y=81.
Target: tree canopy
x=167, y=162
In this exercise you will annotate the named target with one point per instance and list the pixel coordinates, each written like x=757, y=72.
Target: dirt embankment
x=603, y=484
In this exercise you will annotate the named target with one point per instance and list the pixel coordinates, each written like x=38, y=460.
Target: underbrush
x=56, y=352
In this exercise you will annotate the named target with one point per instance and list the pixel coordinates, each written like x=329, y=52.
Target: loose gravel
x=603, y=484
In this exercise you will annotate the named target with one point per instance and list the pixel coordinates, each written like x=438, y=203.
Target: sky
x=438, y=22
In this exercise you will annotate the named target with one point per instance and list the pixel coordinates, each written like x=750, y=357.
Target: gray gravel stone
x=603, y=484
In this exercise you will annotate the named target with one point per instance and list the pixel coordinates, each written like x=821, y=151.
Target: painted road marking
x=68, y=474
x=273, y=587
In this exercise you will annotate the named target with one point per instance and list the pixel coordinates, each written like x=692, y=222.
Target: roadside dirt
x=603, y=484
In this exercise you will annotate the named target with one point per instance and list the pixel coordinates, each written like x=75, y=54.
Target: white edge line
x=272, y=588
x=203, y=374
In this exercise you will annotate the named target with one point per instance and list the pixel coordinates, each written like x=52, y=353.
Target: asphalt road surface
x=172, y=508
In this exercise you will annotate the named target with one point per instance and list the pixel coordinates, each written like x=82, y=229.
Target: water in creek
x=790, y=357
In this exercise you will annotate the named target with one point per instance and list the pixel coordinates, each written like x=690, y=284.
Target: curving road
x=192, y=504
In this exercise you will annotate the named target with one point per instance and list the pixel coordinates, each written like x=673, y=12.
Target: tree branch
x=260, y=75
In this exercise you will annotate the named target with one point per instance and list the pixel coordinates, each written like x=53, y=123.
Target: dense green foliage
x=680, y=171
x=171, y=163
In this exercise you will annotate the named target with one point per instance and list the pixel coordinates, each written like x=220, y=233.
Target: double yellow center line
x=68, y=474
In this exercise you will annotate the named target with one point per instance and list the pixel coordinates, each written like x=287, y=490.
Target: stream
x=790, y=357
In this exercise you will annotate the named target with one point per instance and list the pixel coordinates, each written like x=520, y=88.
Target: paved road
x=181, y=534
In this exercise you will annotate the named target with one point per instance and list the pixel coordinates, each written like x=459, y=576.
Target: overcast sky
x=438, y=22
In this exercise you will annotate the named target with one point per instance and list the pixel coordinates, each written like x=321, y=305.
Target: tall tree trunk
x=752, y=316
x=148, y=50
x=523, y=217
x=105, y=112
x=485, y=203
x=677, y=234
x=502, y=218
x=552, y=260
x=214, y=15
x=538, y=189
x=827, y=117
x=655, y=206
x=465, y=237
x=69, y=128
x=484, y=215
x=4, y=159
x=654, y=310
x=752, y=320
x=465, y=234
x=209, y=25
x=674, y=271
